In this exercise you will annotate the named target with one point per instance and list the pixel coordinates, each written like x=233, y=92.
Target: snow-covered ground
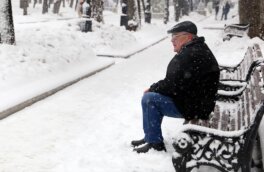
x=89, y=126
x=51, y=46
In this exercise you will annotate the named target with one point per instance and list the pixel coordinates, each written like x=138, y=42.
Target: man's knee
x=148, y=97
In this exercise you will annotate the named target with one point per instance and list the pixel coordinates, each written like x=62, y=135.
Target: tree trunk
x=87, y=13
x=148, y=12
x=244, y=14
x=166, y=12
x=249, y=12
x=124, y=17
x=25, y=11
x=186, y=7
x=76, y=4
x=262, y=20
x=45, y=7
x=143, y=5
x=35, y=2
x=139, y=13
x=7, y=31
x=131, y=11
x=97, y=10
x=191, y=4
x=51, y=2
x=71, y=3
x=181, y=6
x=24, y=6
x=177, y=10
x=56, y=7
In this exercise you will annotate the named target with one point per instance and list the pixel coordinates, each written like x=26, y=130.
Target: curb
x=131, y=54
x=46, y=94
x=47, y=20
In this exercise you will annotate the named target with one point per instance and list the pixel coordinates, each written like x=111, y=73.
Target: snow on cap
x=186, y=26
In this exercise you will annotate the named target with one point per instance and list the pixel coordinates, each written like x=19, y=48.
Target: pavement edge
x=29, y=102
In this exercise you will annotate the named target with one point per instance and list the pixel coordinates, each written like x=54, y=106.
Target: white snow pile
x=43, y=50
x=110, y=39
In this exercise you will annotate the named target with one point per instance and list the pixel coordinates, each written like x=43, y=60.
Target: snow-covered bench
x=238, y=30
x=226, y=140
x=234, y=80
x=243, y=70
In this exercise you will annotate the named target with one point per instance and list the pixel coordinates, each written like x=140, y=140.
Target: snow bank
x=51, y=50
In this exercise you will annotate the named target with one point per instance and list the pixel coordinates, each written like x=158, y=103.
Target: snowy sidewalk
x=15, y=99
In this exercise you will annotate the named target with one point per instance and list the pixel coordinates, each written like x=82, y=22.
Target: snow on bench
x=238, y=30
x=244, y=69
x=234, y=80
x=226, y=140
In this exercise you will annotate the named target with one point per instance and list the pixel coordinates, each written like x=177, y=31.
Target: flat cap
x=186, y=26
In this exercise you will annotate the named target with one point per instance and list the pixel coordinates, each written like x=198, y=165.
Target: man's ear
x=190, y=37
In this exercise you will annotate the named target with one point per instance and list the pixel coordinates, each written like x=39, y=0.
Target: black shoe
x=147, y=147
x=136, y=143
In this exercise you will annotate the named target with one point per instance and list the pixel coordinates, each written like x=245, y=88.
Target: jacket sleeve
x=164, y=87
x=175, y=80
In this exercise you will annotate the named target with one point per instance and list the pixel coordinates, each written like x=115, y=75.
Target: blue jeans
x=155, y=106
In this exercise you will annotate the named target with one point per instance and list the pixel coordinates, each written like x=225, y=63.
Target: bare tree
x=50, y=2
x=262, y=20
x=71, y=3
x=132, y=15
x=76, y=4
x=148, y=12
x=124, y=17
x=185, y=7
x=97, y=10
x=7, y=31
x=191, y=4
x=87, y=13
x=24, y=6
x=249, y=13
x=131, y=11
x=143, y=5
x=166, y=12
x=177, y=10
x=45, y=7
x=139, y=12
x=56, y=7
x=35, y=2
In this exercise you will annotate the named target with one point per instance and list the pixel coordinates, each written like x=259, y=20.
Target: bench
x=243, y=70
x=234, y=80
x=226, y=140
x=238, y=30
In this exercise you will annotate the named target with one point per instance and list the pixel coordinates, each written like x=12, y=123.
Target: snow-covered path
x=88, y=127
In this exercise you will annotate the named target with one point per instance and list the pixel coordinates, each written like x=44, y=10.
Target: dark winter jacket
x=226, y=8
x=191, y=80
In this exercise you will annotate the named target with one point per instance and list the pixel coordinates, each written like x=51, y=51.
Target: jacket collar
x=194, y=41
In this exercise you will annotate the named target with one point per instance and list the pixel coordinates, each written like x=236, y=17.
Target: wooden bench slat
x=215, y=119
x=224, y=120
